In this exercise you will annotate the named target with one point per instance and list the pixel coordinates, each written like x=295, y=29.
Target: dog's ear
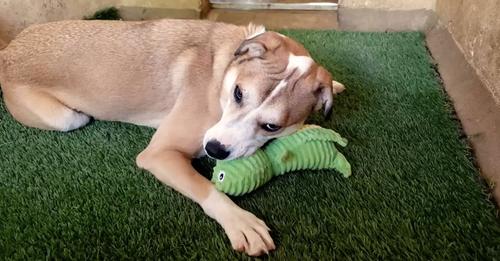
x=258, y=45
x=327, y=88
x=251, y=48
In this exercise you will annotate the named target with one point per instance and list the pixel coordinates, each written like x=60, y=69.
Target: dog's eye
x=237, y=94
x=270, y=127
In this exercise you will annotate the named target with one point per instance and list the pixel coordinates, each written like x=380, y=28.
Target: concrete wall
x=18, y=14
x=15, y=15
x=390, y=4
x=386, y=15
x=475, y=26
x=174, y=4
x=154, y=9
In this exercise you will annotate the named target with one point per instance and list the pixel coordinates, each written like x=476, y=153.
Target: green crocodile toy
x=311, y=148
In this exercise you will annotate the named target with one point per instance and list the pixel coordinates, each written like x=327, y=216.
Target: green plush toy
x=312, y=148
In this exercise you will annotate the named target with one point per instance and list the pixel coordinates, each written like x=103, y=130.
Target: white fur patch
x=214, y=203
x=71, y=120
x=281, y=35
x=337, y=87
x=227, y=84
x=230, y=78
x=281, y=85
x=253, y=30
x=245, y=230
x=301, y=63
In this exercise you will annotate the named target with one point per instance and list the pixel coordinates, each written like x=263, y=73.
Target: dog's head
x=268, y=91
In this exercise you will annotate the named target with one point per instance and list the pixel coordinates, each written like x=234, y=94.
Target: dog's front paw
x=246, y=232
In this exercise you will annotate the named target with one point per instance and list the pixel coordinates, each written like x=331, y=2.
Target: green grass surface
x=414, y=193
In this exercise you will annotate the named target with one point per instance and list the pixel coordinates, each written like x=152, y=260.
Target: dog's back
x=132, y=66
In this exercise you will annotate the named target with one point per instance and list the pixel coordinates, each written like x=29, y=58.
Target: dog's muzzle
x=216, y=150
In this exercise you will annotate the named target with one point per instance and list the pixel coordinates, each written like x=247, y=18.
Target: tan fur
x=3, y=44
x=166, y=74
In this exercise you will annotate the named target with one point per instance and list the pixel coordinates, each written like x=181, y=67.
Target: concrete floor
x=474, y=105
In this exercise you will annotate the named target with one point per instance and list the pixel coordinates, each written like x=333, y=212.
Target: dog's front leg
x=173, y=167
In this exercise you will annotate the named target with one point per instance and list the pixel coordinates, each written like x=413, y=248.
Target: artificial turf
x=414, y=192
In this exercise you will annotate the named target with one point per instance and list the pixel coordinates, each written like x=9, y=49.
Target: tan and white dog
x=208, y=88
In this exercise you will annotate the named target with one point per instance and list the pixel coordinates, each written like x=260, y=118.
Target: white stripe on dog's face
x=296, y=64
x=278, y=89
x=227, y=85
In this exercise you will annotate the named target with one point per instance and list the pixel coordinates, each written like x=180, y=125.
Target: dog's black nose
x=216, y=150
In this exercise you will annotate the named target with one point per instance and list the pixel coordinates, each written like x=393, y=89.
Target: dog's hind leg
x=36, y=108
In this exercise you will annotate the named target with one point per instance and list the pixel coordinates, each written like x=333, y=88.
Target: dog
x=207, y=88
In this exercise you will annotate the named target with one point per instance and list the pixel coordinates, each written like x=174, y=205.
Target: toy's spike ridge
x=341, y=164
x=312, y=147
x=316, y=133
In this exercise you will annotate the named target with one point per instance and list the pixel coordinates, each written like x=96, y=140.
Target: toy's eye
x=221, y=175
